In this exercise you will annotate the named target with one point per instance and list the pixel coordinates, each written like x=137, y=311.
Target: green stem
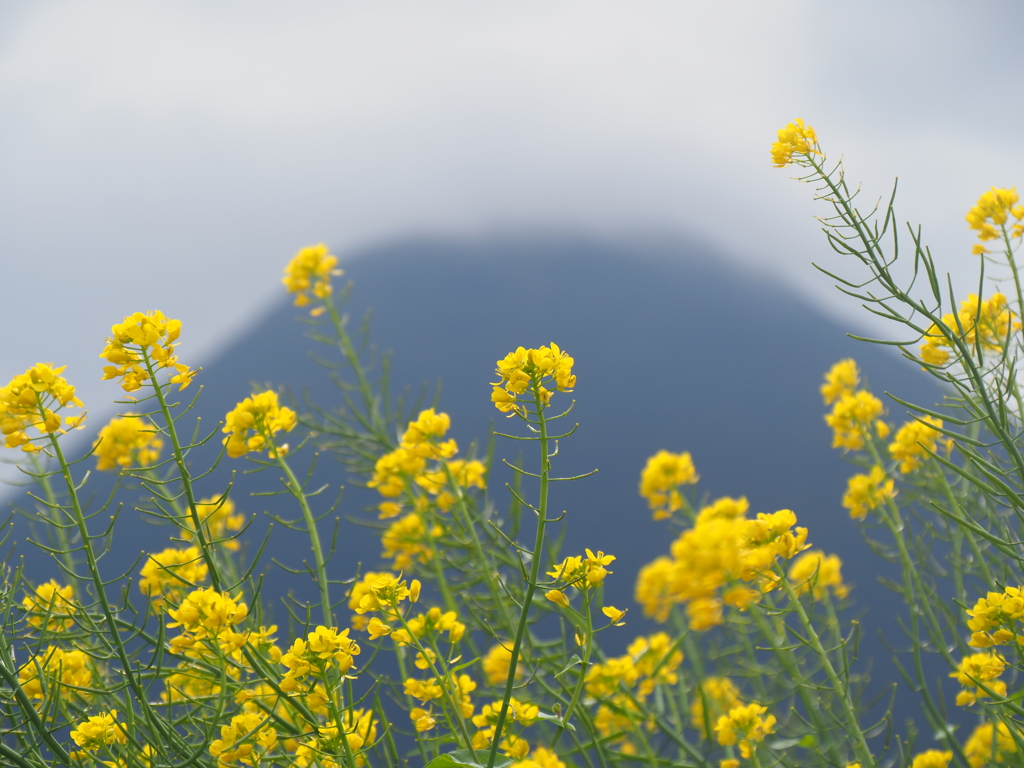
x=582, y=676
x=531, y=585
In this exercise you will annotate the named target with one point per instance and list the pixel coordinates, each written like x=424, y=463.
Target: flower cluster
x=795, y=139
x=995, y=618
x=497, y=662
x=530, y=372
x=520, y=713
x=865, y=492
x=932, y=758
x=715, y=561
x=988, y=744
x=994, y=209
x=143, y=343
x=359, y=731
x=126, y=442
x=245, y=740
x=843, y=378
x=208, y=619
x=915, y=441
x=323, y=650
x=983, y=324
x=254, y=422
x=99, y=731
x=308, y=275
x=408, y=541
x=745, y=725
x=716, y=697
x=816, y=572
x=33, y=399
x=218, y=517
x=62, y=671
x=580, y=572
x=52, y=605
x=460, y=688
x=855, y=412
x=166, y=575
x=660, y=481
x=539, y=757
x=977, y=668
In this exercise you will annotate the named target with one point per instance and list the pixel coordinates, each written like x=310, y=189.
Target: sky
x=175, y=155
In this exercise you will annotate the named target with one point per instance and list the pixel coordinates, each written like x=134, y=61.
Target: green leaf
x=573, y=661
x=555, y=719
x=463, y=758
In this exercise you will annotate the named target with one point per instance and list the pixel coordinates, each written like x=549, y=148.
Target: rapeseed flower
x=915, y=441
x=988, y=744
x=985, y=324
x=656, y=658
x=843, y=378
x=725, y=508
x=50, y=603
x=821, y=571
x=382, y=592
x=407, y=541
x=582, y=572
x=207, y=616
x=254, y=422
x=654, y=588
x=995, y=617
x=245, y=741
x=218, y=517
x=166, y=575
x=143, y=341
x=126, y=442
x=932, y=758
x=867, y=492
x=994, y=209
x=539, y=757
x=324, y=649
x=33, y=399
x=62, y=671
x=745, y=725
x=308, y=275
x=795, y=139
x=852, y=417
x=98, y=731
x=716, y=697
x=526, y=372
x=660, y=481
x=978, y=668
x=496, y=664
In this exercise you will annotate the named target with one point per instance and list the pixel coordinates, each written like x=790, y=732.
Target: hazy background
x=175, y=156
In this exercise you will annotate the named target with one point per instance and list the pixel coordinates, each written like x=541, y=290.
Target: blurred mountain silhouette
x=674, y=349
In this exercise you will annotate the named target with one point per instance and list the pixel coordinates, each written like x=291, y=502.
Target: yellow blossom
x=141, y=343
x=308, y=274
x=851, y=416
x=50, y=603
x=932, y=758
x=615, y=616
x=324, y=648
x=745, y=724
x=989, y=744
x=218, y=517
x=660, y=481
x=422, y=719
x=521, y=712
x=129, y=441
x=914, y=441
x=843, y=378
x=724, y=508
x=382, y=592
x=582, y=572
x=254, y=422
x=99, y=731
x=245, y=740
x=795, y=139
x=61, y=670
x=994, y=209
x=978, y=668
x=167, y=574
x=437, y=621
x=207, y=616
x=33, y=399
x=994, y=618
x=654, y=588
x=496, y=664
x=715, y=697
x=867, y=492
x=985, y=324
x=407, y=541
x=189, y=682
x=704, y=613
x=540, y=757
x=656, y=660
x=526, y=372
x=821, y=571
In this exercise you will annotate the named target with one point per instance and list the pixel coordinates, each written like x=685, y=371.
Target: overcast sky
x=175, y=155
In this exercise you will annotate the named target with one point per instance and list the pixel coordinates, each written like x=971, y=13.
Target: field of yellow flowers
x=478, y=643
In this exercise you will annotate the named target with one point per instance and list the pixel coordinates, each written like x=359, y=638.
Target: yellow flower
x=851, y=416
x=129, y=441
x=820, y=570
x=100, y=731
x=724, y=508
x=50, y=603
x=615, y=616
x=141, y=342
x=32, y=399
x=526, y=371
x=521, y=712
x=189, y=682
x=715, y=697
x=245, y=740
x=207, y=616
x=496, y=663
x=843, y=378
x=254, y=422
x=914, y=441
x=932, y=758
x=994, y=209
x=795, y=139
x=423, y=690
x=704, y=613
x=422, y=719
x=660, y=481
x=989, y=744
x=217, y=514
x=437, y=621
x=377, y=628
x=654, y=588
x=656, y=660
x=983, y=668
x=540, y=757
x=558, y=597
x=985, y=324
x=167, y=574
x=407, y=541
x=323, y=649
x=63, y=670
x=867, y=492
x=422, y=436
x=308, y=274
x=744, y=725
x=381, y=592
x=994, y=617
